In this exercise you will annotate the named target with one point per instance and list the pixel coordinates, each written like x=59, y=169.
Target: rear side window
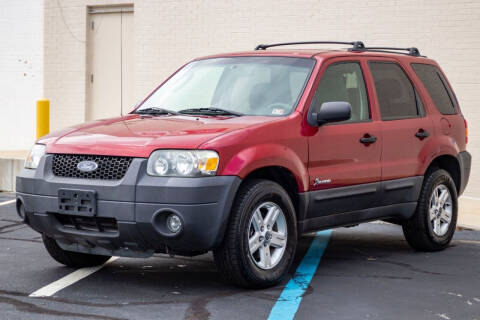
x=437, y=87
x=395, y=93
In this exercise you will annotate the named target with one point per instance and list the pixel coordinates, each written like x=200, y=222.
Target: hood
x=138, y=136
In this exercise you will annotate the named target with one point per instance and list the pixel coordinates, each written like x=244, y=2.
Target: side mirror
x=334, y=111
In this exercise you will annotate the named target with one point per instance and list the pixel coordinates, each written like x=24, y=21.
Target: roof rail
x=410, y=51
x=357, y=45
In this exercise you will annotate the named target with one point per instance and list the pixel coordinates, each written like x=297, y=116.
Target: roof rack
x=410, y=51
x=357, y=45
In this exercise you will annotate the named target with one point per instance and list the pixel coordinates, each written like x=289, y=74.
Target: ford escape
x=242, y=153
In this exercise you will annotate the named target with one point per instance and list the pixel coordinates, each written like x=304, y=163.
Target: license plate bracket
x=77, y=202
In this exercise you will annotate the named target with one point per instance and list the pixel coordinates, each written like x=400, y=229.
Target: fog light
x=174, y=224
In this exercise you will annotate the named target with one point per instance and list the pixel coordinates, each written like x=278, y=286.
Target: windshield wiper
x=155, y=111
x=212, y=111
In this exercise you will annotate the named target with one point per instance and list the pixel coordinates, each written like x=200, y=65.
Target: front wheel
x=261, y=238
x=432, y=226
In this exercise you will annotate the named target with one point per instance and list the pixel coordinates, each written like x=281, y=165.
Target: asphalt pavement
x=366, y=272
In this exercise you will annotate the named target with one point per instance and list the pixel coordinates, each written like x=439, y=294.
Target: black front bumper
x=138, y=204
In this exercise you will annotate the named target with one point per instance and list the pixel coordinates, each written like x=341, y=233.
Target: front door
x=344, y=157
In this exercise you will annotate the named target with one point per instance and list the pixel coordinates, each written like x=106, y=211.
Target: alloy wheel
x=267, y=235
x=440, y=210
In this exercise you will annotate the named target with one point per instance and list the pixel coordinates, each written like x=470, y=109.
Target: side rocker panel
x=354, y=204
x=402, y=211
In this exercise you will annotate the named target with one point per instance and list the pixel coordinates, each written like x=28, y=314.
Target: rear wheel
x=261, y=238
x=434, y=222
x=72, y=259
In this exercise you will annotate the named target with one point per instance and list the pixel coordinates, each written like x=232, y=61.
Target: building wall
x=21, y=68
x=65, y=59
x=169, y=33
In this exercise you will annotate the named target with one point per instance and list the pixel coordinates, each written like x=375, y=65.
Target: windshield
x=266, y=86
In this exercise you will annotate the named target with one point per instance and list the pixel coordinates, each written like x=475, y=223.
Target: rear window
x=396, y=95
x=437, y=87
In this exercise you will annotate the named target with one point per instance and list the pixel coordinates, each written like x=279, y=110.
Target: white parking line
x=7, y=202
x=68, y=280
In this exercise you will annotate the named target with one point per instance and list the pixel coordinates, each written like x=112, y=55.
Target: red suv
x=242, y=153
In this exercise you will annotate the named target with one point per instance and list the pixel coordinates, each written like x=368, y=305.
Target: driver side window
x=344, y=81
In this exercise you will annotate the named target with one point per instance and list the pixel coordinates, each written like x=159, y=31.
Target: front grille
x=109, y=168
x=95, y=224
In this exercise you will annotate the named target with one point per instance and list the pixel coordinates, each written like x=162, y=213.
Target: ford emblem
x=87, y=166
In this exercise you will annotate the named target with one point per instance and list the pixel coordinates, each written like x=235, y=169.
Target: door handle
x=422, y=134
x=368, y=139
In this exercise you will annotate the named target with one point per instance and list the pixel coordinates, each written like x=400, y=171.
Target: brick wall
x=169, y=33
x=21, y=64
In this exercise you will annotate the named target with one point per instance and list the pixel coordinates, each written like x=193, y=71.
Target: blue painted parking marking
x=287, y=304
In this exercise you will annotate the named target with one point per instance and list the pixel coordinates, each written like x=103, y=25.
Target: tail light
x=466, y=130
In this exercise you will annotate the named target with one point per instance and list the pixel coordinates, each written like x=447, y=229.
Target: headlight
x=183, y=163
x=33, y=159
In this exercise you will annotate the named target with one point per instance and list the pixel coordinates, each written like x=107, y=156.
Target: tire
x=234, y=258
x=419, y=230
x=72, y=259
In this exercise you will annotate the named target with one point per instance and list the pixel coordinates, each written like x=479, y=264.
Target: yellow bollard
x=43, y=117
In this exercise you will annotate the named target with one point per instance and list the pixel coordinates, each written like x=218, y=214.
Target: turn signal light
x=466, y=130
x=210, y=165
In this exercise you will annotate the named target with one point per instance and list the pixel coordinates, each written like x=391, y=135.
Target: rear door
x=344, y=167
x=405, y=130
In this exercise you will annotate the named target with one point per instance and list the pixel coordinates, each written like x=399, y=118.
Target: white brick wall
x=168, y=33
x=21, y=65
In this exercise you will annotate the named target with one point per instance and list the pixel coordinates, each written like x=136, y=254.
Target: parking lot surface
x=366, y=272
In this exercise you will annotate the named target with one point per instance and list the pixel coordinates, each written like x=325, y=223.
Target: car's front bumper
x=138, y=203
